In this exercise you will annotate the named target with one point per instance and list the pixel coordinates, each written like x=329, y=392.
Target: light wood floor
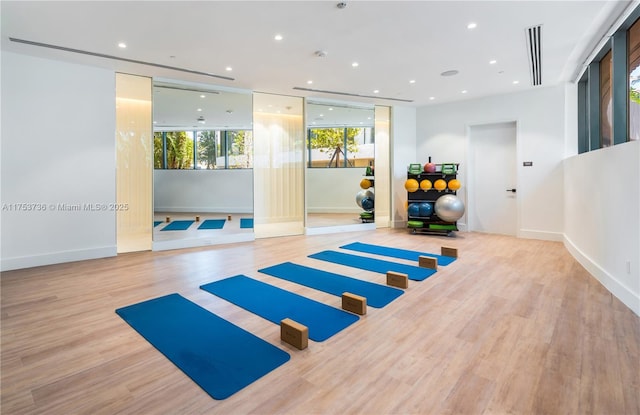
x=514, y=326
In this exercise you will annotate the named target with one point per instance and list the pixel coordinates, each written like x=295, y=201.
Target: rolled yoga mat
x=377, y=295
x=276, y=304
x=220, y=357
x=396, y=252
x=375, y=265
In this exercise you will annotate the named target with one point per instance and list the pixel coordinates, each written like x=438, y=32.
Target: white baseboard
x=198, y=242
x=202, y=209
x=340, y=228
x=354, y=210
x=542, y=235
x=623, y=293
x=8, y=264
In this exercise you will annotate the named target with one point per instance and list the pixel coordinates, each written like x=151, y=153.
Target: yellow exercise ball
x=425, y=184
x=365, y=183
x=411, y=185
x=440, y=185
x=454, y=184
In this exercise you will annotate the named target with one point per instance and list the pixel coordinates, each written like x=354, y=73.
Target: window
x=633, y=57
x=209, y=150
x=340, y=147
x=239, y=149
x=606, y=101
x=608, y=92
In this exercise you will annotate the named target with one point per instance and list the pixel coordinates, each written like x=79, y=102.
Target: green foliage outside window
x=240, y=149
x=179, y=150
x=158, y=161
x=332, y=142
x=215, y=149
x=208, y=149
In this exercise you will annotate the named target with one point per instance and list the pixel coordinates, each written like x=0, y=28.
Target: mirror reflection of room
x=340, y=164
x=203, y=159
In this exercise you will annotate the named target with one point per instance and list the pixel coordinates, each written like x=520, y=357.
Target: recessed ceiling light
x=278, y=37
x=355, y=64
x=309, y=82
x=493, y=62
x=412, y=81
x=330, y=109
x=122, y=45
x=464, y=91
x=516, y=82
x=199, y=109
x=375, y=91
x=202, y=96
x=432, y=98
x=472, y=25
x=451, y=72
x=228, y=69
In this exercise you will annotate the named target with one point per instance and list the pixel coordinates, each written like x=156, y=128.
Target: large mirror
x=203, y=159
x=340, y=166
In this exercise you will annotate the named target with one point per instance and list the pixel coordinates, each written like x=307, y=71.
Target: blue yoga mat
x=396, y=252
x=156, y=223
x=178, y=225
x=375, y=265
x=212, y=224
x=276, y=304
x=377, y=295
x=246, y=223
x=220, y=357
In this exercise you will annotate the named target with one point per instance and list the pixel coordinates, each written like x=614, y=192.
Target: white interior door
x=493, y=173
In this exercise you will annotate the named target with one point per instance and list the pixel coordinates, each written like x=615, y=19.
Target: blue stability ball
x=364, y=193
x=426, y=209
x=414, y=209
x=367, y=203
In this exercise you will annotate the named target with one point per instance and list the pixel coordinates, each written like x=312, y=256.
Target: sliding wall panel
x=134, y=158
x=278, y=167
x=383, y=166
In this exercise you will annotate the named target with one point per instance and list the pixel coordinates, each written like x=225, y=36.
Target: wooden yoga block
x=447, y=251
x=354, y=303
x=168, y=219
x=427, y=262
x=397, y=279
x=294, y=333
x=197, y=218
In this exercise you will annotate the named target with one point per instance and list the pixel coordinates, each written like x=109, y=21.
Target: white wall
x=602, y=217
x=333, y=190
x=214, y=191
x=442, y=132
x=403, y=153
x=58, y=148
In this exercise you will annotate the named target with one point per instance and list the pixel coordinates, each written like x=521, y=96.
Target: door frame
x=471, y=168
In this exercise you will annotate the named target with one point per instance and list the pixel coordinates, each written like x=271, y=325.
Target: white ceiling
x=394, y=42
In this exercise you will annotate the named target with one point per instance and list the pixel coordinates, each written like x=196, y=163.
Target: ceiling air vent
x=534, y=51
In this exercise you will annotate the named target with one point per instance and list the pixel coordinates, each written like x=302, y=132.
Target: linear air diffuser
x=534, y=51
